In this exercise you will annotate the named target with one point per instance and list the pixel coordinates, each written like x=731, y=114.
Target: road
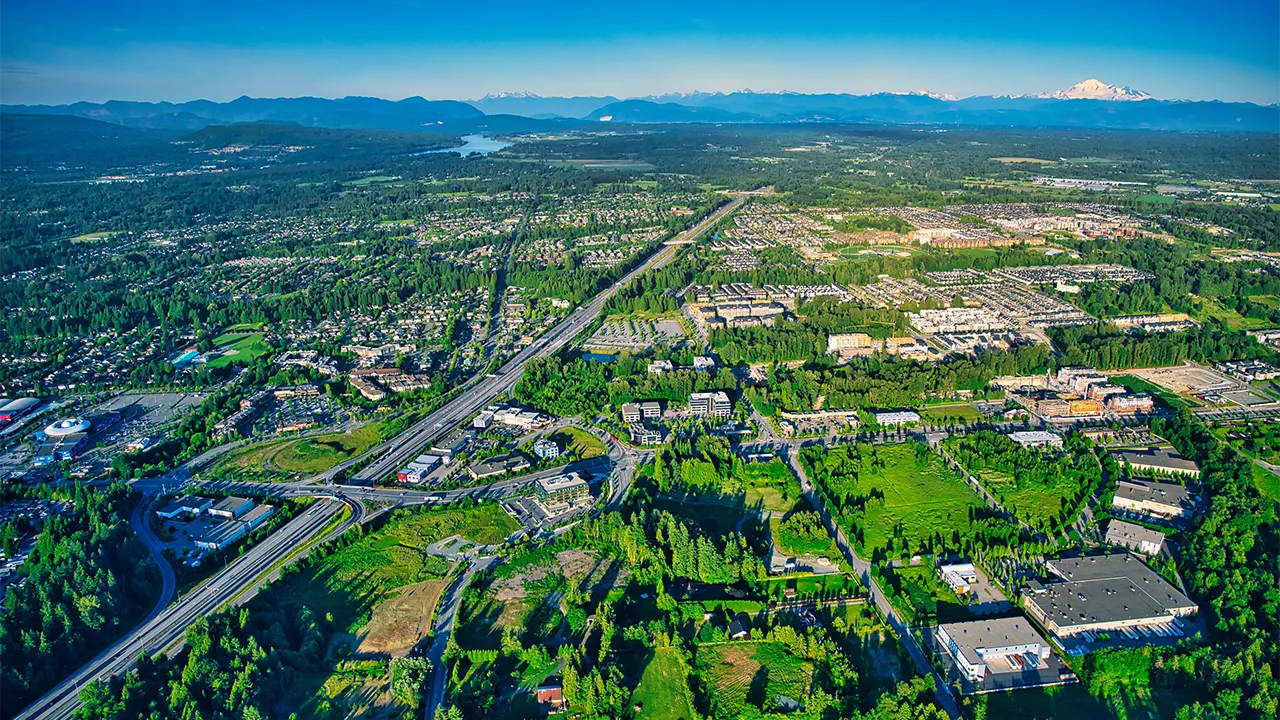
x=244, y=577
x=863, y=570
x=399, y=450
x=169, y=582
x=238, y=582
x=450, y=603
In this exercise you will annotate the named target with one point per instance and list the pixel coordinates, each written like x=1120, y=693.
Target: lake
x=472, y=145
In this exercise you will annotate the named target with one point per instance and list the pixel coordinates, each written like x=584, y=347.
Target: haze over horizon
x=58, y=52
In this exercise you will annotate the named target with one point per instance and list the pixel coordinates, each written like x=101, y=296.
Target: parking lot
x=636, y=334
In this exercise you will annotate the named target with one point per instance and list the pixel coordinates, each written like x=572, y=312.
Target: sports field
x=238, y=348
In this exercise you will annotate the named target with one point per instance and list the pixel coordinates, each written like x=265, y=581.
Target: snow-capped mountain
x=1093, y=89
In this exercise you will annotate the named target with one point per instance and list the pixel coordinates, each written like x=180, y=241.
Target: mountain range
x=1089, y=104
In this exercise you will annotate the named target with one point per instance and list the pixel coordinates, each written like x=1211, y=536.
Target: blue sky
x=57, y=51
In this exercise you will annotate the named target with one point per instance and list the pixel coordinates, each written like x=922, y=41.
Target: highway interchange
x=250, y=572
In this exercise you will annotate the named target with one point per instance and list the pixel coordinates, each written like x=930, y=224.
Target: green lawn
x=770, y=484
x=919, y=594
x=1068, y=702
x=581, y=442
x=1234, y=320
x=1268, y=482
x=922, y=498
x=951, y=414
x=739, y=675
x=239, y=348
x=1036, y=502
x=663, y=692
x=319, y=453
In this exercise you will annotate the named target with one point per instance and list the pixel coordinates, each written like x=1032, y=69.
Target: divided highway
x=163, y=633
x=408, y=444
x=247, y=574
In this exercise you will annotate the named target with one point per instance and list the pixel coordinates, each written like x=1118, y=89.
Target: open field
x=1074, y=701
x=1023, y=160
x=769, y=484
x=951, y=414
x=237, y=348
x=94, y=237
x=739, y=675
x=918, y=593
x=663, y=692
x=299, y=455
x=922, y=498
x=1137, y=384
x=580, y=442
x=399, y=622
x=1268, y=482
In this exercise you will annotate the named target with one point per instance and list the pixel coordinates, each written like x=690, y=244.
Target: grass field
x=1234, y=320
x=739, y=675
x=1036, y=503
x=951, y=414
x=771, y=484
x=1158, y=199
x=1268, y=482
x=919, y=594
x=1074, y=701
x=300, y=455
x=581, y=442
x=241, y=348
x=319, y=453
x=922, y=498
x=663, y=692
x=94, y=237
x=1023, y=160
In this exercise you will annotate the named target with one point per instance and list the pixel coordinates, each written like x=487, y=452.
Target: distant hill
x=43, y=140
x=410, y=114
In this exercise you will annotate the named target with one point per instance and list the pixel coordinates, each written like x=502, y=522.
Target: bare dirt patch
x=399, y=622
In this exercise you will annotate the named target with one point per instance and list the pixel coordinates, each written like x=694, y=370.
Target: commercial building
x=257, y=516
x=1000, y=654
x=1037, y=438
x=11, y=410
x=189, y=505
x=221, y=535
x=1131, y=404
x=453, y=445
x=1158, y=460
x=417, y=471
x=657, y=367
x=890, y=418
x=851, y=344
x=1165, y=501
x=520, y=418
x=642, y=434
x=637, y=412
x=959, y=576
x=702, y=362
x=546, y=450
x=562, y=490
x=231, y=507
x=500, y=465
x=1134, y=537
x=711, y=404
x=1104, y=593
x=60, y=449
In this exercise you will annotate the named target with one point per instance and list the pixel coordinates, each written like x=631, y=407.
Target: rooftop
x=985, y=635
x=1107, y=589
x=1159, y=458
x=1120, y=532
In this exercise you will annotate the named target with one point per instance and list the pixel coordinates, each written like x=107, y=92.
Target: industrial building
x=500, y=465
x=417, y=471
x=1000, y=654
x=1157, y=460
x=1134, y=537
x=1165, y=501
x=231, y=507
x=11, y=410
x=1105, y=593
x=1037, y=438
x=189, y=505
x=711, y=404
x=890, y=418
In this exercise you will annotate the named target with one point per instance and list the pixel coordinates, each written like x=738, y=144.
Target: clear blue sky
x=56, y=51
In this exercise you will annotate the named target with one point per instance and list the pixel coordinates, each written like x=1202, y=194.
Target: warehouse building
x=1158, y=460
x=500, y=465
x=189, y=505
x=1134, y=537
x=1165, y=501
x=231, y=507
x=890, y=418
x=1000, y=654
x=1115, y=592
x=1037, y=438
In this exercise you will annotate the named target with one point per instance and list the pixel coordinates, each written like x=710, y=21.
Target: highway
x=162, y=633
x=245, y=576
x=409, y=444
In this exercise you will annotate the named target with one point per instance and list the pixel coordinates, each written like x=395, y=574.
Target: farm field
x=751, y=674
x=238, y=348
x=663, y=692
x=922, y=499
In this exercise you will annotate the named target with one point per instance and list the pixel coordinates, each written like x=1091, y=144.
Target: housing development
x=425, y=412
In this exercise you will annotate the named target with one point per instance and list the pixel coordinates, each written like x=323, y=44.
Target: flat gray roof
x=975, y=635
x=1171, y=494
x=1120, y=532
x=1160, y=458
x=1107, y=588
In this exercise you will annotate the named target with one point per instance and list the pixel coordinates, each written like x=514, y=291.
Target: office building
x=1134, y=537
x=711, y=404
x=1157, y=460
x=1161, y=500
x=562, y=490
